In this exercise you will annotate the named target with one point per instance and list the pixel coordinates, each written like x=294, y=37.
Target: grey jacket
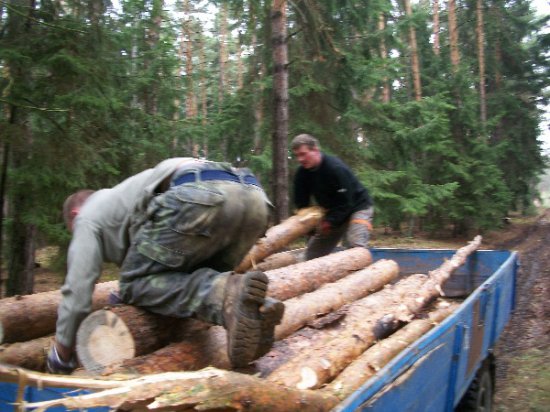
x=102, y=232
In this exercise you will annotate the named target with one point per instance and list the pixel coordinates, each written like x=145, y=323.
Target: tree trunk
x=32, y=316
x=453, y=36
x=481, y=62
x=415, y=65
x=376, y=357
x=282, y=235
x=291, y=281
x=280, y=121
x=121, y=332
x=29, y=355
x=208, y=390
x=384, y=56
x=191, y=100
x=332, y=296
x=366, y=321
x=435, y=29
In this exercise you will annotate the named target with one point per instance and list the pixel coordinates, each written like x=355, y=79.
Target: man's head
x=72, y=205
x=307, y=151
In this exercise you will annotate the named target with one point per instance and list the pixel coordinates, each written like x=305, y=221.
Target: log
x=29, y=355
x=332, y=296
x=197, y=350
x=209, y=389
x=282, y=259
x=122, y=332
x=291, y=281
x=376, y=357
x=334, y=344
x=212, y=345
x=27, y=317
x=281, y=235
x=368, y=320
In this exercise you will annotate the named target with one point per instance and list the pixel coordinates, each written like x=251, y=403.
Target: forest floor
x=523, y=355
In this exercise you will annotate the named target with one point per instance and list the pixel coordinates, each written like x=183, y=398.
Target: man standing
x=176, y=231
x=332, y=184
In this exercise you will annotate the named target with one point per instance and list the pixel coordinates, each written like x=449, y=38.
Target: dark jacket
x=333, y=186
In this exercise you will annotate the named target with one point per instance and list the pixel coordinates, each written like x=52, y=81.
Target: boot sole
x=271, y=312
x=245, y=334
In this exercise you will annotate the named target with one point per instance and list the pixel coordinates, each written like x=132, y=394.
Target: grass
x=528, y=383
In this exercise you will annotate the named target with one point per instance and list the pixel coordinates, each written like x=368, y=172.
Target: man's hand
x=325, y=228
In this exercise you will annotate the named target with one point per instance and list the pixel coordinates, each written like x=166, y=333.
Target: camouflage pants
x=195, y=233
x=353, y=233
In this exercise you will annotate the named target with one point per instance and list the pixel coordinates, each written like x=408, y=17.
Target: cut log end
x=103, y=339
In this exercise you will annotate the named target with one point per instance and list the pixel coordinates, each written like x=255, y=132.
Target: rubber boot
x=244, y=295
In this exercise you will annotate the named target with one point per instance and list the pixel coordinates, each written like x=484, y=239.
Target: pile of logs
x=345, y=318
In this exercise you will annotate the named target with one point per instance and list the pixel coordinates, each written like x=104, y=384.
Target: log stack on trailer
x=345, y=318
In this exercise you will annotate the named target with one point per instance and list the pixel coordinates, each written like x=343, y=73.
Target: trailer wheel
x=479, y=396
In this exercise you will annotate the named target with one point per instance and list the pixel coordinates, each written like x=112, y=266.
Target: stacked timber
x=345, y=318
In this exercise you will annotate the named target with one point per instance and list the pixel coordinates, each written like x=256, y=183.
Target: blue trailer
x=449, y=368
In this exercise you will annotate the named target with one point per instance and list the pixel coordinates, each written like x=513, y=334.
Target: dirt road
x=523, y=358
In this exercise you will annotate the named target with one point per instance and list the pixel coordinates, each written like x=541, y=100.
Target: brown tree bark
x=376, y=357
x=367, y=320
x=413, y=47
x=332, y=296
x=282, y=259
x=202, y=348
x=435, y=29
x=29, y=355
x=281, y=235
x=480, y=32
x=294, y=280
x=280, y=118
x=121, y=332
x=209, y=347
x=384, y=56
x=453, y=35
x=208, y=390
x=23, y=318
x=191, y=100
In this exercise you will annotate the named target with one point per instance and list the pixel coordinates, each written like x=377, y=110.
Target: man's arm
x=302, y=190
x=343, y=196
x=84, y=262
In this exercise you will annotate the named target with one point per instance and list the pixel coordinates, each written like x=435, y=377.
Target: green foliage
x=91, y=95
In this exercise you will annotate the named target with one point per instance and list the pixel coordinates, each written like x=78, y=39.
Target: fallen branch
x=209, y=389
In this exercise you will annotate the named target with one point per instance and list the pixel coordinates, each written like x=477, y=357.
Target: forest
x=435, y=105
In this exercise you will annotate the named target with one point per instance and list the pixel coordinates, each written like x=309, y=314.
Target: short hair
x=77, y=199
x=304, y=139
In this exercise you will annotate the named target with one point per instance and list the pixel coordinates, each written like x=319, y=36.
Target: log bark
x=291, y=281
x=29, y=355
x=33, y=316
x=122, y=332
x=208, y=347
x=282, y=259
x=367, y=320
x=332, y=296
x=197, y=350
x=281, y=235
x=209, y=389
x=376, y=357
x=212, y=345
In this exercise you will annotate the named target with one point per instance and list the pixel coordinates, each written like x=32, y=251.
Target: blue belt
x=214, y=175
